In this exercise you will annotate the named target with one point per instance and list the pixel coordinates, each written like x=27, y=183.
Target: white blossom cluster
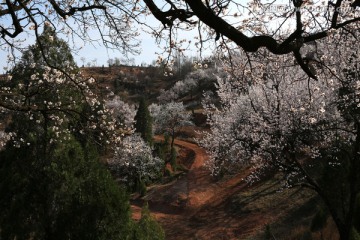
x=5, y=137
x=133, y=161
x=122, y=112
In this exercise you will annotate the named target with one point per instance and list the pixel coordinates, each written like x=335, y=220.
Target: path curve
x=181, y=205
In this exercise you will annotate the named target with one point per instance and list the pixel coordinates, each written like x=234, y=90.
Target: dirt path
x=194, y=206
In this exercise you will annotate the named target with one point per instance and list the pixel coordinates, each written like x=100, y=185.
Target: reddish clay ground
x=194, y=206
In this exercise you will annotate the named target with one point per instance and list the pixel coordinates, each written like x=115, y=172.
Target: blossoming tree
x=169, y=118
x=123, y=112
x=195, y=82
x=274, y=117
x=134, y=163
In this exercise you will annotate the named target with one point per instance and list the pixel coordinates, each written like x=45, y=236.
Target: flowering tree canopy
x=274, y=117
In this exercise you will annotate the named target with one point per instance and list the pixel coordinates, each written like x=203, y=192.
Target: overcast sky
x=101, y=54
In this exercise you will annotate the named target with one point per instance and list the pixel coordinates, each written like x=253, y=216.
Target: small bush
x=148, y=228
x=354, y=235
x=306, y=236
x=268, y=234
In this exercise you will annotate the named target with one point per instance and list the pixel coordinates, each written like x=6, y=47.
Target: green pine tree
x=51, y=185
x=49, y=50
x=143, y=121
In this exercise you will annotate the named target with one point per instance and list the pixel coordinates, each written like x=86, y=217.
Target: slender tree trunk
x=344, y=231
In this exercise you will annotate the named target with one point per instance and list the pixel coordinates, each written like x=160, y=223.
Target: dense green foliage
x=66, y=197
x=354, y=234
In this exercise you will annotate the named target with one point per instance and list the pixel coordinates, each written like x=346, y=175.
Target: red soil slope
x=194, y=206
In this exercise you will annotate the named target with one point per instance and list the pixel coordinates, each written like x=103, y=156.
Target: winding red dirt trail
x=195, y=206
